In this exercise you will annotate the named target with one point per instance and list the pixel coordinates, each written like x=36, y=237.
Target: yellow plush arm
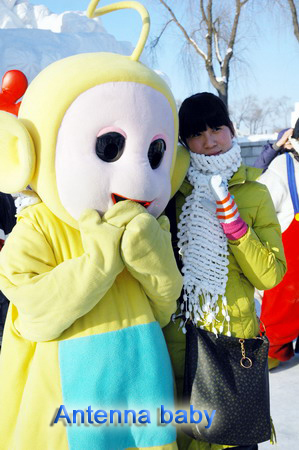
x=50, y=297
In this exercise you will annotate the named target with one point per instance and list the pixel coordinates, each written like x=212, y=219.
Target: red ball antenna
x=14, y=85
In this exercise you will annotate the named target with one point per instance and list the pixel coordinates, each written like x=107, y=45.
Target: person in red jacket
x=280, y=305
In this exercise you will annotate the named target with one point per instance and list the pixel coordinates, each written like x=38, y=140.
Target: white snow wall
x=31, y=37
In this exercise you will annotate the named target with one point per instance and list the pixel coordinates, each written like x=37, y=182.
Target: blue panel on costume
x=124, y=369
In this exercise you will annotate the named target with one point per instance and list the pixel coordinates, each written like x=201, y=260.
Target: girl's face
x=212, y=141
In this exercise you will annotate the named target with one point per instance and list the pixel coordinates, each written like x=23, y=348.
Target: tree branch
x=211, y=50
x=294, y=18
x=183, y=30
x=203, y=13
x=155, y=41
x=217, y=49
x=232, y=38
x=208, y=36
x=208, y=18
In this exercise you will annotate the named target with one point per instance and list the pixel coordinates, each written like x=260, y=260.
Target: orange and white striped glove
x=227, y=211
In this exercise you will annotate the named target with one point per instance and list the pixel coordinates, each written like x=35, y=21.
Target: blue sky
x=272, y=65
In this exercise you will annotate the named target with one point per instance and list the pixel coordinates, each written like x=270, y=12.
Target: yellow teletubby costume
x=88, y=268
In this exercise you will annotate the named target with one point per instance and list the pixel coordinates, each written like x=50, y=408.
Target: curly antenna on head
x=93, y=12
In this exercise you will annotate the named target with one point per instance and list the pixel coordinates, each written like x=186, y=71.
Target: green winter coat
x=255, y=260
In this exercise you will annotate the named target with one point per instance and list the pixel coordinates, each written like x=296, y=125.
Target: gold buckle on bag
x=244, y=361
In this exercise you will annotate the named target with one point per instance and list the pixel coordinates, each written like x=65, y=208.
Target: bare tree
x=213, y=38
x=293, y=9
x=241, y=111
x=257, y=116
x=281, y=116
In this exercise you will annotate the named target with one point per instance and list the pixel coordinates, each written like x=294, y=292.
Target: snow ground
x=284, y=401
x=284, y=398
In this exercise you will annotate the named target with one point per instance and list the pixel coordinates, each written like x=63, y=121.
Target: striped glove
x=227, y=211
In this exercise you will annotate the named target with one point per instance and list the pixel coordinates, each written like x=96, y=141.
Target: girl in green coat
x=229, y=239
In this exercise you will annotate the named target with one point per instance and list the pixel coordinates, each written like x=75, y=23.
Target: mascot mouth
x=118, y=198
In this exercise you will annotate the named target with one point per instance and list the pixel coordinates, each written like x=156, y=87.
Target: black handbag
x=229, y=375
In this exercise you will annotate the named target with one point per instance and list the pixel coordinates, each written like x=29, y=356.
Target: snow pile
x=258, y=138
x=31, y=37
x=22, y=14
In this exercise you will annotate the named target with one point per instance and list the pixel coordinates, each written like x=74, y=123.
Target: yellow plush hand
x=141, y=237
x=122, y=213
x=101, y=236
x=147, y=253
x=101, y=241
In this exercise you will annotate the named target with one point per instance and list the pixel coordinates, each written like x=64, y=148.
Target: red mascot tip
x=14, y=85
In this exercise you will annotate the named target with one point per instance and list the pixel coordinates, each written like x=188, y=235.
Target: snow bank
x=31, y=37
x=258, y=138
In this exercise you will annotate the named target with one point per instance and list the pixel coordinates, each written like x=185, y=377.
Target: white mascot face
x=115, y=142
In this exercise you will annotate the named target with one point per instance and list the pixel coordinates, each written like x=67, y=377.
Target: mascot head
x=94, y=129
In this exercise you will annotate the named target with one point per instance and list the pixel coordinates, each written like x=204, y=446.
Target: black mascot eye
x=156, y=152
x=110, y=146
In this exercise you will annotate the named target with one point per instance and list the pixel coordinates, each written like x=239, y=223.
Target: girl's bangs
x=200, y=123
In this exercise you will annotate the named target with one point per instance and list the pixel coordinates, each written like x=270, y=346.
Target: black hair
x=295, y=134
x=199, y=112
x=294, y=153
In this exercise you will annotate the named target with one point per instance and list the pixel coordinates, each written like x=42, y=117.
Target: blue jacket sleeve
x=267, y=155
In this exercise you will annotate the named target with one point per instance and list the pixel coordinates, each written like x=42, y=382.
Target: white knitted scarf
x=202, y=242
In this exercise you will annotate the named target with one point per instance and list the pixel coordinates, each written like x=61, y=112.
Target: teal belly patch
x=128, y=369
